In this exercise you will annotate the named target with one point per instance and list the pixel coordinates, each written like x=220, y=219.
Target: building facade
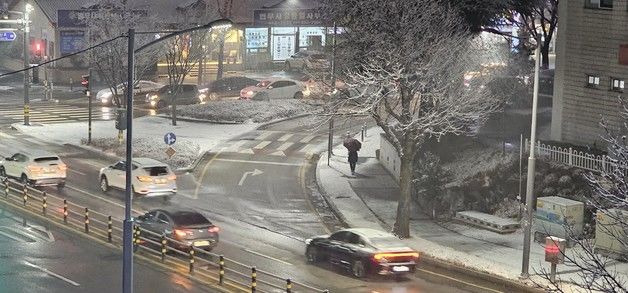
x=591, y=70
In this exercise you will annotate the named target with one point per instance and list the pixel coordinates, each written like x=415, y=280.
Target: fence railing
x=210, y=267
x=575, y=158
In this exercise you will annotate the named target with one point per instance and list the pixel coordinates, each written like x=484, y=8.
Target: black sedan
x=227, y=87
x=363, y=252
x=188, y=227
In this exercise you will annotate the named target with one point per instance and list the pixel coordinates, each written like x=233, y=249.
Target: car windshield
x=45, y=159
x=157, y=171
x=386, y=242
x=189, y=219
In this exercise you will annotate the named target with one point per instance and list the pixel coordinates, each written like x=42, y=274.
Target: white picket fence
x=575, y=158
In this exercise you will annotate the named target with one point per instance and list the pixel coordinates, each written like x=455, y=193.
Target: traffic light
x=121, y=119
x=85, y=83
x=38, y=49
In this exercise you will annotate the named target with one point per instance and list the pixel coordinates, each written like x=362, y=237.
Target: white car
x=307, y=61
x=150, y=178
x=36, y=168
x=274, y=89
x=105, y=96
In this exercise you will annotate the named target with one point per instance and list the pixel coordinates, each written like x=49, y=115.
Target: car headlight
x=249, y=93
x=308, y=241
x=154, y=97
x=202, y=97
x=153, y=103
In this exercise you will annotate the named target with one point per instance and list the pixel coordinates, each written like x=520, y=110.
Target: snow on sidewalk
x=193, y=138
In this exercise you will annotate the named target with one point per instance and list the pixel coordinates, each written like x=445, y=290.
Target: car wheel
x=61, y=185
x=2, y=172
x=311, y=253
x=287, y=67
x=161, y=104
x=24, y=179
x=104, y=184
x=298, y=95
x=358, y=269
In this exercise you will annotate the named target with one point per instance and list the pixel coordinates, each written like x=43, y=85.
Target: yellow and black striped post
x=136, y=238
x=43, y=203
x=25, y=193
x=86, y=220
x=164, y=247
x=191, y=259
x=6, y=187
x=288, y=285
x=221, y=277
x=253, y=279
x=109, y=229
x=65, y=211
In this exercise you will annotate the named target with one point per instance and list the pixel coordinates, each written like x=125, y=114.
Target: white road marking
x=77, y=172
x=6, y=135
x=247, y=151
x=262, y=144
x=252, y=173
x=285, y=137
x=235, y=146
x=266, y=256
x=60, y=277
x=260, y=162
x=102, y=198
x=285, y=146
x=11, y=236
x=278, y=154
x=308, y=138
x=33, y=141
x=264, y=135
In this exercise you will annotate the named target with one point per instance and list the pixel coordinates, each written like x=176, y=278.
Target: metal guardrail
x=213, y=268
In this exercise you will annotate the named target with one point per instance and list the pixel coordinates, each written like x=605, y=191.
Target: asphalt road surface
x=36, y=257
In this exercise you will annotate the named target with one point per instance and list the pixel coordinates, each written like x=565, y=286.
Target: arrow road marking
x=252, y=173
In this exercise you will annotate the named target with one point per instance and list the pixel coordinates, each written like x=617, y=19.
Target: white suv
x=150, y=178
x=35, y=168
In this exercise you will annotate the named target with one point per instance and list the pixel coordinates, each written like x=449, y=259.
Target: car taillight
x=35, y=169
x=385, y=256
x=144, y=178
x=172, y=177
x=214, y=229
x=180, y=233
x=63, y=167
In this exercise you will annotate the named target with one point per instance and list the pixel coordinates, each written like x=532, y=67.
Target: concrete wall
x=588, y=44
x=388, y=157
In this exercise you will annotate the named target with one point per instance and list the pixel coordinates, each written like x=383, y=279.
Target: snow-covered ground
x=192, y=138
x=244, y=110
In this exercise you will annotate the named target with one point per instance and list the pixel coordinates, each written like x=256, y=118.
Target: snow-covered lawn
x=244, y=110
x=148, y=136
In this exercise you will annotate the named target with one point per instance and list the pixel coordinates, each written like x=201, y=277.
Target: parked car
x=273, y=89
x=188, y=227
x=105, y=96
x=363, y=251
x=37, y=168
x=184, y=94
x=307, y=61
x=150, y=178
x=226, y=87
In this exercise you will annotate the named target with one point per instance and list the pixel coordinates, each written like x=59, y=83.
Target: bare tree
x=224, y=10
x=407, y=73
x=528, y=12
x=596, y=272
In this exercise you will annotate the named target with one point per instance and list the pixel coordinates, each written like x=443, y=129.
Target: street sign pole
x=27, y=106
x=89, y=106
x=127, y=249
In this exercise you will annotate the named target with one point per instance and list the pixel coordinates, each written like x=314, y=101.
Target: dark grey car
x=184, y=225
x=184, y=94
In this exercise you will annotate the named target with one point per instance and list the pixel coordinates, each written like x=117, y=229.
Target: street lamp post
x=531, y=164
x=127, y=239
x=27, y=10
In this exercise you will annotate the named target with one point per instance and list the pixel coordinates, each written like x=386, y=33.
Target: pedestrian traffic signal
x=85, y=83
x=38, y=49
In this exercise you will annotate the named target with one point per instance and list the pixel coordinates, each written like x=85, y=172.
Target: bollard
x=288, y=285
x=86, y=220
x=164, y=247
x=253, y=279
x=362, y=133
x=109, y=229
x=6, y=187
x=65, y=211
x=221, y=278
x=192, y=260
x=25, y=192
x=71, y=84
x=43, y=204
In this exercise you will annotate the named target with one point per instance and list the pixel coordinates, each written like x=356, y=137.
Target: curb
x=96, y=151
x=325, y=196
x=267, y=124
x=190, y=119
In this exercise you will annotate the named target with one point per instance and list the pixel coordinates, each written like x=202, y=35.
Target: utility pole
x=89, y=106
x=27, y=107
x=333, y=60
x=127, y=238
x=531, y=164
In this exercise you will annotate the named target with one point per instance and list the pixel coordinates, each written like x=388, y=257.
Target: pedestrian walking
x=353, y=146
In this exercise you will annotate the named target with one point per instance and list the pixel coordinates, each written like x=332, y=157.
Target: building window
x=606, y=4
x=593, y=81
x=617, y=84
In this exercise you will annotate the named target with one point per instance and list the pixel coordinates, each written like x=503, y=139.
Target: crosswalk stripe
x=262, y=144
x=235, y=146
x=285, y=146
x=7, y=135
x=278, y=153
x=33, y=141
x=285, y=137
x=247, y=151
x=307, y=138
x=264, y=135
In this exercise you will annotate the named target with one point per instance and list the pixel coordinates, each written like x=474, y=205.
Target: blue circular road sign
x=170, y=138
